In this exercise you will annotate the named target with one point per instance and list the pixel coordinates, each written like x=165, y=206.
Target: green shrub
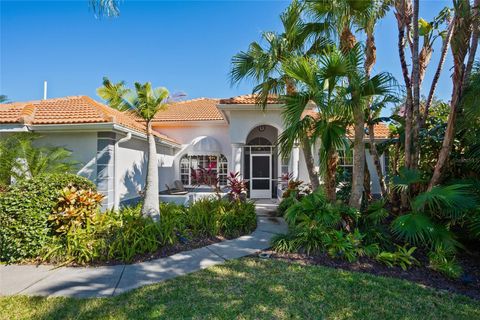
x=238, y=218
x=348, y=246
x=74, y=209
x=211, y=217
x=286, y=203
x=286, y=242
x=203, y=217
x=24, y=209
x=134, y=235
x=172, y=222
x=403, y=257
x=445, y=263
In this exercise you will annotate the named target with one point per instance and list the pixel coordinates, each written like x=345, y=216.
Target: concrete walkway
x=112, y=280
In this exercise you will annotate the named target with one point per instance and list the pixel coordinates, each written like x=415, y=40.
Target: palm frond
x=406, y=178
x=451, y=201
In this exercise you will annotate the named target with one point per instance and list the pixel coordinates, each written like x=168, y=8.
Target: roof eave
x=94, y=127
x=233, y=106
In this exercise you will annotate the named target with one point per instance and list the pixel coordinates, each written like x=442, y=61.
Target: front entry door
x=260, y=176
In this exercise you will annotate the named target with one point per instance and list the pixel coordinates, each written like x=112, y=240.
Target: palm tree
x=145, y=102
x=324, y=82
x=3, y=98
x=263, y=65
x=345, y=15
x=113, y=94
x=368, y=22
x=20, y=159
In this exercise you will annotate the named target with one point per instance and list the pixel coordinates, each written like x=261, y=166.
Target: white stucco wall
x=243, y=121
x=132, y=165
x=184, y=134
x=83, y=146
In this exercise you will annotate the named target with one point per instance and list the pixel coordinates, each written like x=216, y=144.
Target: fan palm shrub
x=434, y=213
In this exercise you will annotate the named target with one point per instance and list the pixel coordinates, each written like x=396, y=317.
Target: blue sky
x=184, y=46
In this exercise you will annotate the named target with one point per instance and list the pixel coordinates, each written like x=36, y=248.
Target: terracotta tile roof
x=381, y=129
x=69, y=110
x=201, y=109
x=250, y=99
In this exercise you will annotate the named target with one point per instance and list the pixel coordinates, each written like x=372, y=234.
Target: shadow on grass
x=253, y=288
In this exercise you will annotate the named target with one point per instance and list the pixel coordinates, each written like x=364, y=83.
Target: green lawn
x=256, y=289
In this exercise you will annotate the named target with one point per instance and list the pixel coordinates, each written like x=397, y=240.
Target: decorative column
x=237, y=158
x=295, y=161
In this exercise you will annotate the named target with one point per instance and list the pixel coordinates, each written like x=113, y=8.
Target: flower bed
x=70, y=229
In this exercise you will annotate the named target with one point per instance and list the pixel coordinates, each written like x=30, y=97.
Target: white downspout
x=116, y=191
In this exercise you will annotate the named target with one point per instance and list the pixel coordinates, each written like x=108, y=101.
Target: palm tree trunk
x=151, y=205
x=358, y=158
x=416, y=87
x=474, y=42
x=448, y=138
x=436, y=77
x=367, y=180
x=462, y=34
x=400, y=15
x=330, y=182
x=309, y=162
x=370, y=60
x=347, y=42
x=306, y=145
x=376, y=160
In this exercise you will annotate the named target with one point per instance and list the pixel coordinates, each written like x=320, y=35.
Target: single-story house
x=231, y=134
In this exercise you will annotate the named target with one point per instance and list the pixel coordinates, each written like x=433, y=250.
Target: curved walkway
x=112, y=280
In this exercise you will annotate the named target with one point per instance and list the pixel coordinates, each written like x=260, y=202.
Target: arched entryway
x=261, y=161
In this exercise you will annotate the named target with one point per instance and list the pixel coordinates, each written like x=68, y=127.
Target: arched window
x=219, y=164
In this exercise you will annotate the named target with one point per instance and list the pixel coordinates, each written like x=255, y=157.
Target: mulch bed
x=468, y=284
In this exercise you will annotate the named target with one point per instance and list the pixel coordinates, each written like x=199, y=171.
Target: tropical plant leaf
x=406, y=178
x=451, y=201
x=415, y=228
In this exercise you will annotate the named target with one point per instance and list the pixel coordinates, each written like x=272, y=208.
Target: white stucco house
x=231, y=134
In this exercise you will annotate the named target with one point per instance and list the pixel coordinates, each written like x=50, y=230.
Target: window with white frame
x=345, y=163
x=218, y=163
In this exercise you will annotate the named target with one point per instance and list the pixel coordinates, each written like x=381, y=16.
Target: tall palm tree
x=145, y=102
x=113, y=94
x=336, y=83
x=368, y=23
x=263, y=65
x=345, y=16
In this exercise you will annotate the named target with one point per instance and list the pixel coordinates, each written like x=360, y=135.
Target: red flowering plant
x=291, y=185
x=237, y=187
x=206, y=177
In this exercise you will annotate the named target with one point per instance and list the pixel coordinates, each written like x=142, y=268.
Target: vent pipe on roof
x=45, y=90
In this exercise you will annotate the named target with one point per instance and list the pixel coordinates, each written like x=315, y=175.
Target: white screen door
x=260, y=176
